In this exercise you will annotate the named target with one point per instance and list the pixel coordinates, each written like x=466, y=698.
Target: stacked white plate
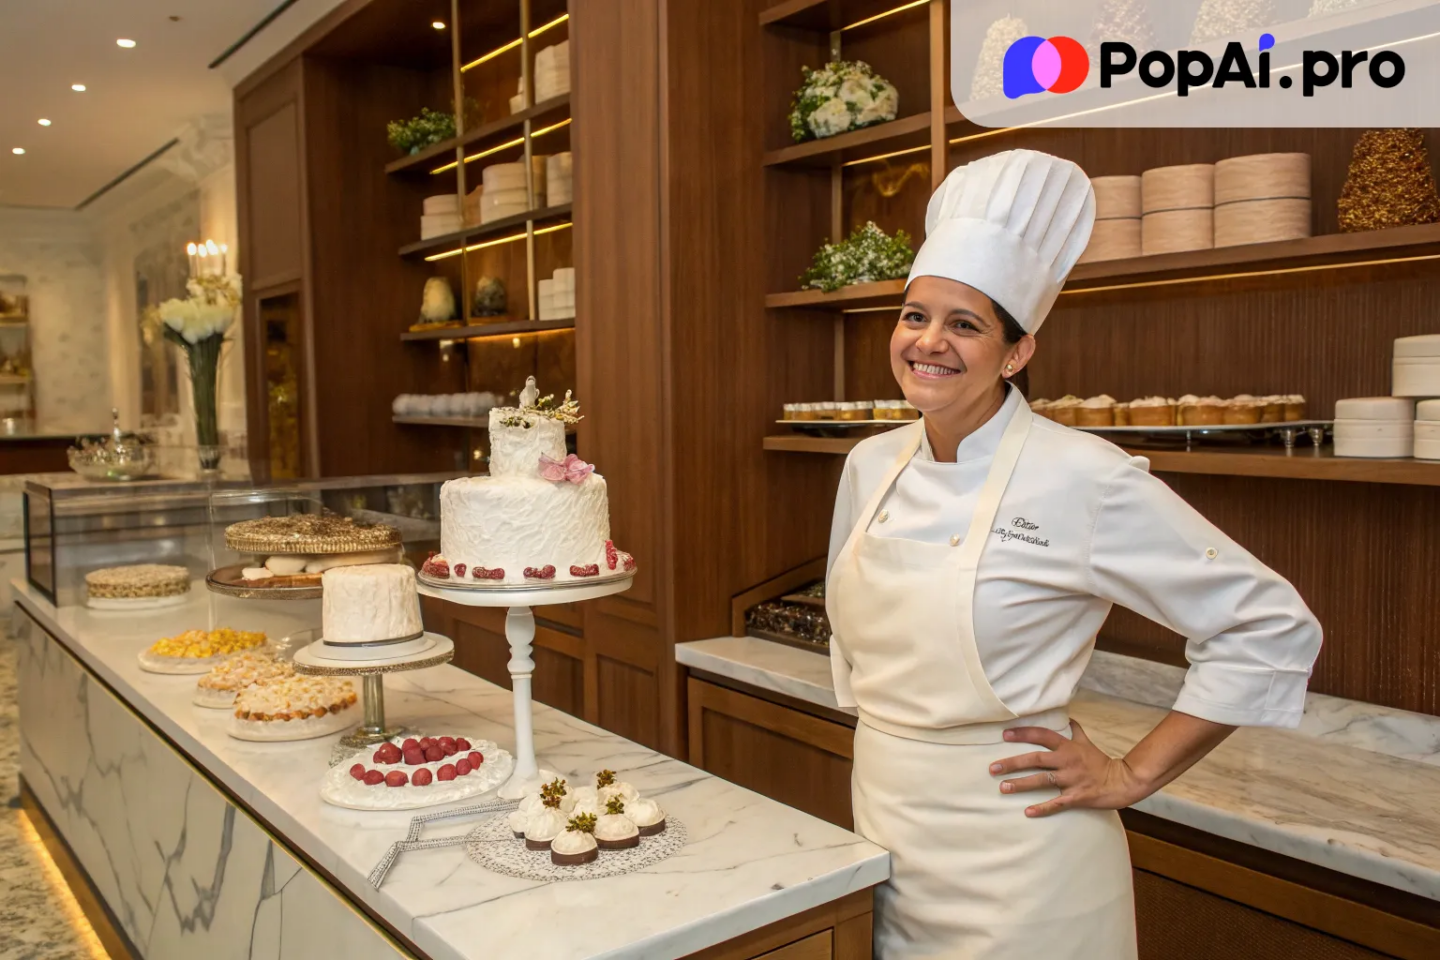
x=504, y=194
x=1417, y=366
x=557, y=295
x=1427, y=430
x=1375, y=427
x=441, y=215
x=552, y=71
x=559, y=178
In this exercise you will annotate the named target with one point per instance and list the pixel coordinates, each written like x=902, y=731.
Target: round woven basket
x=1261, y=198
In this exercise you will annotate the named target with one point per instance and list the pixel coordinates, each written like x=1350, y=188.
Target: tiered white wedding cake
x=540, y=516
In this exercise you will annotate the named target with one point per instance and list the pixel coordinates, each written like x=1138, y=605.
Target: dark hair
x=1013, y=332
x=1010, y=326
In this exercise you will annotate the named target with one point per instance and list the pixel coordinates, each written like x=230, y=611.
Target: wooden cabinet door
x=793, y=757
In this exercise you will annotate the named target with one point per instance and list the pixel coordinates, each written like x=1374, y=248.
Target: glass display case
x=73, y=527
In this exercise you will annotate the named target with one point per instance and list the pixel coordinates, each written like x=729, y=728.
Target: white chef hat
x=1010, y=225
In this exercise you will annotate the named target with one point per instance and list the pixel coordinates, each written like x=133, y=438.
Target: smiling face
x=949, y=352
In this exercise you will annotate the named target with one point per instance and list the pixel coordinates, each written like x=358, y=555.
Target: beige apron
x=971, y=877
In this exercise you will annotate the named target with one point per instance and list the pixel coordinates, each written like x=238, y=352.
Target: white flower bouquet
x=198, y=325
x=867, y=256
x=843, y=95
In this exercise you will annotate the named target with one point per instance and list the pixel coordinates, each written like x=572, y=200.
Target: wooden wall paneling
x=621, y=358
x=1362, y=557
x=269, y=178
x=732, y=365
x=784, y=754
x=365, y=293
x=559, y=661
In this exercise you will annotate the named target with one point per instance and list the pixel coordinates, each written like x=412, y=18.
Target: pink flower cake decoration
x=572, y=468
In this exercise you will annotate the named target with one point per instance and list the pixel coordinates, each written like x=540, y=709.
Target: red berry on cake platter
x=424, y=771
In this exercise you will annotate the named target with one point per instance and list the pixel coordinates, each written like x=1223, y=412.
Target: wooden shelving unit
x=442, y=153
x=511, y=328
x=1302, y=463
x=464, y=237
x=1397, y=245
x=895, y=135
x=468, y=422
x=824, y=15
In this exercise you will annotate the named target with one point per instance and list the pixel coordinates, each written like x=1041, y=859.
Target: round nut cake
x=309, y=534
x=140, y=580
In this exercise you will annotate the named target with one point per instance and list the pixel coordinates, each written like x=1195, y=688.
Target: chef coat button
x=1211, y=553
x=955, y=540
x=884, y=515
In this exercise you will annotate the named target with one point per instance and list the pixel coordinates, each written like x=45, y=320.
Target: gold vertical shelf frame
x=527, y=78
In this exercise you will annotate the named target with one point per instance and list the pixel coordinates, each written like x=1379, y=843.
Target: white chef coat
x=1083, y=526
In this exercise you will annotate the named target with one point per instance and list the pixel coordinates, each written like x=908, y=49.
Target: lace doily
x=493, y=845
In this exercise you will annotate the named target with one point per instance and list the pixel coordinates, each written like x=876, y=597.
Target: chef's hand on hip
x=1085, y=775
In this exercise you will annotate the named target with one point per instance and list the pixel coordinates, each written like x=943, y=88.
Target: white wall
x=187, y=194
x=58, y=254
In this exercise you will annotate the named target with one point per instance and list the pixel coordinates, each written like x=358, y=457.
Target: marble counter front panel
x=184, y=871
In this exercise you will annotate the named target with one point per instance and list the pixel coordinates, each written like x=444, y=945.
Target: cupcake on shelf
x=614, y=830
x=1152, y=412
x=907, y=411
x=1294, y=407
x=1041, y=408
x=1065, y=410
x=547, y=823
x=1096, y=412
x=1273, y=409
x=575, y=845
x=1122, y=414
x=1204, y=412
x=607, y=786
x=1243, y=409
x=826, y=410
x=646, y=815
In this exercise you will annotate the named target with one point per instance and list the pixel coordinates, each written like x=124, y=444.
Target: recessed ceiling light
x=43, y=122
x=438, y=24
x=78, y=87
x=127, y=44
x=18, y=151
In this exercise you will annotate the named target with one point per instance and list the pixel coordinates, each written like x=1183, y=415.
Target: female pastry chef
x=974, y=556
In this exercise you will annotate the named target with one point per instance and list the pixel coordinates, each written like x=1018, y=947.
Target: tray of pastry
x=1217, y=428
x=231, y=582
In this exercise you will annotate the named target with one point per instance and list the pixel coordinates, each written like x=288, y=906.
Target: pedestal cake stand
x=317, y=659
x=520, y=634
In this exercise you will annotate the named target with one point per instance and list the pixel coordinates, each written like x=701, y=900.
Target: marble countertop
x=1353, y=790
x=749, y=862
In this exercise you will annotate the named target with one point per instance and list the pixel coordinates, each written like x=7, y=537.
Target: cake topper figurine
x=529, y=395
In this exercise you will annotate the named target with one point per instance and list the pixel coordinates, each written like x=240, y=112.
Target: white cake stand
x=312, y=661
x=520, y=634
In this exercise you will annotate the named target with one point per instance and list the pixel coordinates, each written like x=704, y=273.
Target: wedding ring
x=1054, y=780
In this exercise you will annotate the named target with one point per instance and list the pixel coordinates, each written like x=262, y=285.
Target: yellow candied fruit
x=199, y=644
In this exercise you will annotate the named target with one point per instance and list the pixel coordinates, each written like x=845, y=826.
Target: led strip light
x=495, y=243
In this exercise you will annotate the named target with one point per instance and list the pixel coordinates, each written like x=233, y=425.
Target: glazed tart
x=296, y=708
x=197, y=651
x=217, y=689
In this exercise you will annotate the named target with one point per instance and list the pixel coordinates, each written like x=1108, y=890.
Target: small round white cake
x=516, y=518
x=369, y=604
